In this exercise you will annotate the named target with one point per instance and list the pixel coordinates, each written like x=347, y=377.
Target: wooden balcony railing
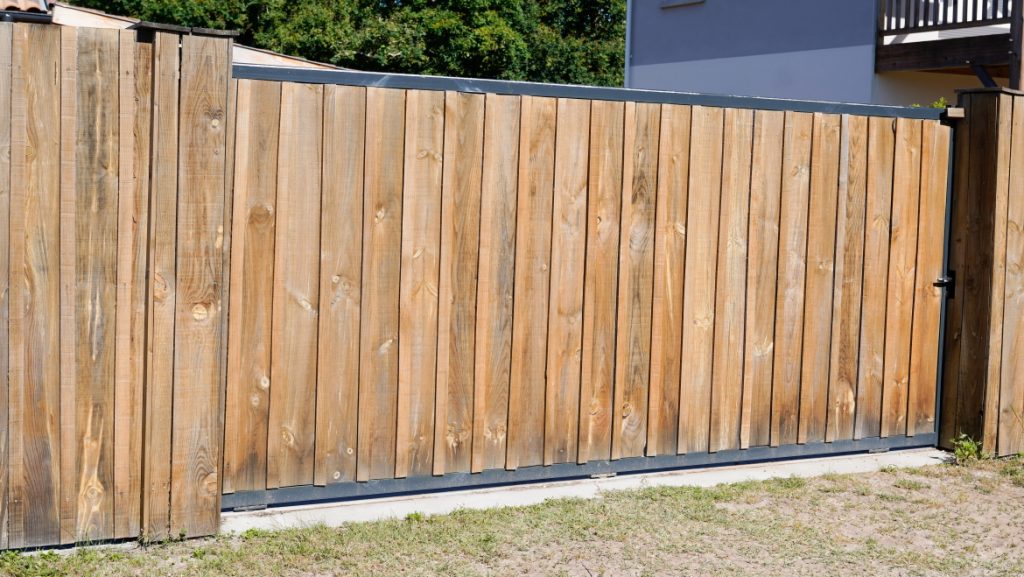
x=905, y=16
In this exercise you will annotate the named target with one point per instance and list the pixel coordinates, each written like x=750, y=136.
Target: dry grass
x=942, y=520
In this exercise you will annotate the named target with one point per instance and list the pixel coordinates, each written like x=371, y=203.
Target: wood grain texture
x=601, y=279
x=924, y=355
x=902, y=260
x=526, y=391
x=162, y=287
x=818, y=290
x=296, y=273
x=34, y=491
x=68, y=283
x=877, y=219
x=789, y=311
x=198, y=421
x=129, y=304
x=669, y=262
x=341, y=275
x=762, y=276
x=252, y=280
x=636, y=279
x=994, y=342
x=568, y=247
x=421, y=248
x=731, y=285
x=460, y=246
x=849, y=278
x=1011, y=398
x=6, y=35
x=699, y=306
x=382, y=259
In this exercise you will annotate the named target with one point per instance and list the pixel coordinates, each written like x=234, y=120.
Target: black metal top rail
x=904, y=16
x=415, y=82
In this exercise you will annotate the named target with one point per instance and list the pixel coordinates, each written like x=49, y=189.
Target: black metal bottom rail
x=307, y=494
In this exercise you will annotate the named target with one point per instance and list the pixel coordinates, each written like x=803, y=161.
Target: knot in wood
x=200, y=312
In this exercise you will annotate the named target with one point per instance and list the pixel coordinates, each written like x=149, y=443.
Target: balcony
x=980, y=37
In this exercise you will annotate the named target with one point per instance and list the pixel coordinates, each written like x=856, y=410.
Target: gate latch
x=947, y=282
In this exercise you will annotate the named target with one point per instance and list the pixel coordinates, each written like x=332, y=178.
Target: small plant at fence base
x=966, y=449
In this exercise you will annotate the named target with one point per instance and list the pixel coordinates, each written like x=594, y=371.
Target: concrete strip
x=335, y=514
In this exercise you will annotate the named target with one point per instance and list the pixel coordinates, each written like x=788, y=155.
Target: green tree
x=565, y=41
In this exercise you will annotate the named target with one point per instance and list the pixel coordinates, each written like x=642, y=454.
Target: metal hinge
x=879, y=450
x=603, y=475
x=249, y=508
x=948, y=283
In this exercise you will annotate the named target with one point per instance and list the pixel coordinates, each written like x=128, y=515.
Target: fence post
x=983, y=372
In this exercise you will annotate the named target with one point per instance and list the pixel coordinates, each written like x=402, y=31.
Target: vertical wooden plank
x=846, y=300
x=296, y=288
x=68, y=284
x=231, y=114
x=162, y=288
x=796, y=169
x=998, y=221
x=821, y=245
x=127, y=388
x=341, y=249
x=636, y=279
x=526, y=391
x=762, y=271
x=252, y=280
x=705, y=200
x=877, y=223
x=197, y=420
x=382, y=254
x=731, y=285
x=924, y=355
x=1011, y=398
x=6, y=33
x=418, y=301
x=496, y=281
x=669, y=262
x=601, y=279
x=34, y=492
x=460, y=244
x=900, y=295
x=568, y=246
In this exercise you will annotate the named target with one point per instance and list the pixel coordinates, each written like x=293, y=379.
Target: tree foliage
x=565, y=41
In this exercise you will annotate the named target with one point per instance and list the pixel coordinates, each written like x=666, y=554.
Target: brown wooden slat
x=293, y=339
x=341, y=250
x=568, y=246
x=821, y=243
x=924, y=356
x=1011, y=397
x=849, y=278
x=421, y=248
x=460, y=245
x=68, y=314
x=162, y=289
x=731, y=284
x=877, y=223
x=198, y=419
x=532, y=279
x=496, y=281
x=636, y=279
x=6, y=34
x=796, y=169
x=382, y=254
x=762, y=275
x=902, y=257
x=252, y=273
x=601, y=279
x=669, y=262
x=703, y=221
x=34, y=491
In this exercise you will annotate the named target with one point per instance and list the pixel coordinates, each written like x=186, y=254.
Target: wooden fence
x=984, y=346
x=112, y=191
x=428, y=282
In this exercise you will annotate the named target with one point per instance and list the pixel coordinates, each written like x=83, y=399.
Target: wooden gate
x=434, y=278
